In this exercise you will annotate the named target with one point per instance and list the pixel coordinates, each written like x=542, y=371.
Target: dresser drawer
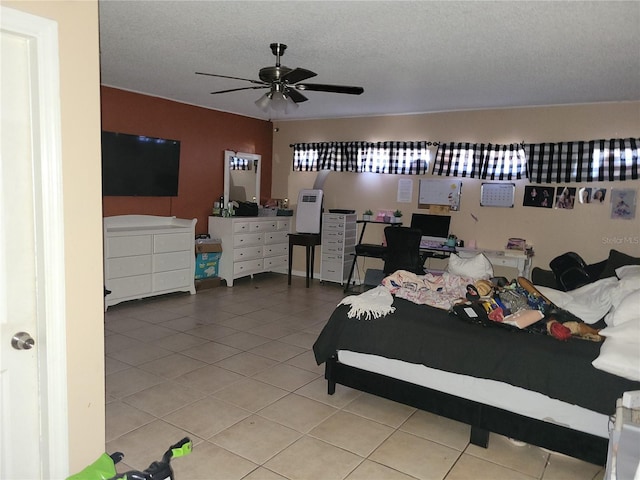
x=248, y=239
x=271, y=263
x=278, y=249
x=129, y=286
x=240, y=227
x=284, y=225
x=333, y=258
x=251, y=266
x=270, y=226
x=128, y=246
x=172, y=242
x=127, y=266
x=247, y=253
x=164, y=262
x=171, y=280
x=276, y=237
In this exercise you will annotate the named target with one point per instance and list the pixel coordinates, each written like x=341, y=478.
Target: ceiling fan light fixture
x=264, y=101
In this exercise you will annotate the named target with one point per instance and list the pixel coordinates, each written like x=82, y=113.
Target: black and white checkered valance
x=480, y=160
x=238, y=163
x=408, y=158
x=584, y=161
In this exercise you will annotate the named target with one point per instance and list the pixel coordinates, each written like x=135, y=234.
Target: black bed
x=420, y=334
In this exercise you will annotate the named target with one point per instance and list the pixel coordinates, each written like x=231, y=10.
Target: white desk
x=502, y=258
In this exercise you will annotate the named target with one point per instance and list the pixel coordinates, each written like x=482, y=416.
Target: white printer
x=309, y=211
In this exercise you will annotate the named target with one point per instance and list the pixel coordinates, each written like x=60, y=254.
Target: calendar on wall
x=497, y=195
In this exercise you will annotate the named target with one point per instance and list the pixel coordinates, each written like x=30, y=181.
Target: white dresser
x=146, y=255
x=338, y=246
x=251, y=245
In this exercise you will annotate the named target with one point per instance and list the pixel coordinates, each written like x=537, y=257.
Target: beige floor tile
x=439, y=429
x=211, y=332
x=472, y=467
x=142, y=353
x=172, y=366
x=154, y=315
x=528, y=459
x=122, y=418
x=561, y=467
x=265, y=315
x=210, y=352
x=130, y=381
x=317, y=390
x=147, y=443
x=183, y=324
x=306, y=361
x=272, y=331
x=243, y=340
x=352, y=432
x=369, y=470
x=246, y=363
x=250, y=394
x=122, y=324
x=380, y=409
x=256, y=438
x=163, y=398
x=117, y=342
x=309, y=458
x=286, y=377
x=209, y=379
x=262, y=473
x=208, y=462
x=149, y=332
x=206, y=417
x=242, y=322
x=177, y=342
x=278, y=351
x=300, y=339
x=111, y=365
x=299, y=413
x=416, y=456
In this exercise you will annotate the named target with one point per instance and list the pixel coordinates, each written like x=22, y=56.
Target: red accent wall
x=204, y=135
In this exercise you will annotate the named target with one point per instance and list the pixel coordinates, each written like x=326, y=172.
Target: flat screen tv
x=434, y=228
x=136, y=165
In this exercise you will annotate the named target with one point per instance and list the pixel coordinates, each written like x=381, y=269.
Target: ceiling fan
x=284, y=84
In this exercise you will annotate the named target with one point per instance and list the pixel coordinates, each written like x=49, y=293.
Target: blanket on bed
x=440, y=291
x=429, y=336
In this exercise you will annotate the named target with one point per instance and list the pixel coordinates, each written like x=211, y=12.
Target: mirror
x=241, y=177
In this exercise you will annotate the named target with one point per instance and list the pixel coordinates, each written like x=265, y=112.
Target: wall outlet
x=631, y=399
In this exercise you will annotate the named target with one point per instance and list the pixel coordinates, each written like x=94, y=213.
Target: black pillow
x=570, y=271
x=616, y=260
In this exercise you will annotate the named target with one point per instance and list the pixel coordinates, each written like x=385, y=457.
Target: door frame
x=51, y=344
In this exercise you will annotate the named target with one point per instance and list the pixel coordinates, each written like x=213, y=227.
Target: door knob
x=22, y=341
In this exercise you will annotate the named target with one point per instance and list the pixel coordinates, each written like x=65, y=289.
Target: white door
x=32, y=414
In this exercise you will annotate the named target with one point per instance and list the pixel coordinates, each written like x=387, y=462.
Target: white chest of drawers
x=146, y=255
x=338, y=246
x=251, y=245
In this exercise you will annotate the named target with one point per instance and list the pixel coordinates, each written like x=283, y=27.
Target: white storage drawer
x=273, y=263
x=128, y=246
x=284, y=225
x=273, y=250
x=127, y=266
x=170, y=280
x=246, y=240
x=276, y=237
x=129, y=287
x=172, y=242
x=163, y=262
x=240, y=227
x=248, y=253
x=265, y=226
x=249, y=266
x=338, y=245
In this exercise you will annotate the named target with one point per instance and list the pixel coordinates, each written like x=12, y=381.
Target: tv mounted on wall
x=136, y=165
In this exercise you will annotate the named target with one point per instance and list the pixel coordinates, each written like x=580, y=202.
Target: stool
x=309, y=240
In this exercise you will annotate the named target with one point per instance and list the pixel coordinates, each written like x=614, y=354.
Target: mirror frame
x=256, y=158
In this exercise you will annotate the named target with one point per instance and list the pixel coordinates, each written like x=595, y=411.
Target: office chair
x=403, y=250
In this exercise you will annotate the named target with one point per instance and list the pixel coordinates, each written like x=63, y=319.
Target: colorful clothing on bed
x=440, y=291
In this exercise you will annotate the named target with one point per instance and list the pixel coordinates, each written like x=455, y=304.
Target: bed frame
x=481, y=417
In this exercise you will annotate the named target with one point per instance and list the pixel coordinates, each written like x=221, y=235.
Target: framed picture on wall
x=565, y=197
x=535, y=196
x=623, y=203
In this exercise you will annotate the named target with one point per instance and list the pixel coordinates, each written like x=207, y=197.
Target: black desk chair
x=403, y=250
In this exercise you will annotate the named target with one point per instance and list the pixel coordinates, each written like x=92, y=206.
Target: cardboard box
x=207, y=283
x=207, y=259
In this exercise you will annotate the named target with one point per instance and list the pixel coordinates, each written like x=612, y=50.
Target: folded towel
x=374, y=303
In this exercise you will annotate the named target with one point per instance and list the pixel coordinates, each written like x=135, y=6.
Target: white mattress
x=490, y=392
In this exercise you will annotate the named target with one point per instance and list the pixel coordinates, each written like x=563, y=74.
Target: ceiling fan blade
x=233, y=78
x=237, y=89
x=296, y=96
x=297, y=75
x=319, y=87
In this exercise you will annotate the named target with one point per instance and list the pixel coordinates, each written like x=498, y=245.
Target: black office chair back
x=403, y=250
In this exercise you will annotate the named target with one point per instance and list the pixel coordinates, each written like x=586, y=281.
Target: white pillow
x=628, y=310
x=475, y=267
x=628, y=271
x=627, y=332
x=619, y=358
x=590, y=302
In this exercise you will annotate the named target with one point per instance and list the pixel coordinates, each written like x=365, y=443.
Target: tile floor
x=232, y=368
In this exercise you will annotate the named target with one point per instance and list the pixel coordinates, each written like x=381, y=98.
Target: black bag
x=570, y=271
x=246, y=209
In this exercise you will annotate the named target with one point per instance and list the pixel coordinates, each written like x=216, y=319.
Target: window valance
x=237, y=163
x=408, y=158
x=480, y=160
x=584, y=161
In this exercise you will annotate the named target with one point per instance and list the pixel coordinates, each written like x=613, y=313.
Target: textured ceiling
x=410, y=57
